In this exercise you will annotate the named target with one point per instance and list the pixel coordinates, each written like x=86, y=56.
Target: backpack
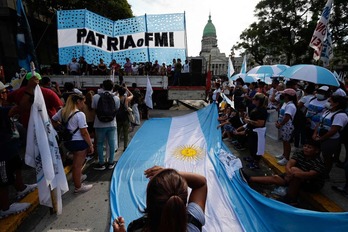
x=106, y=107
x=122, y=113
x=64, y=133
x=344, y=131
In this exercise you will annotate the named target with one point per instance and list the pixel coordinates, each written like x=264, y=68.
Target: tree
x=112, y=9
x=285, y=28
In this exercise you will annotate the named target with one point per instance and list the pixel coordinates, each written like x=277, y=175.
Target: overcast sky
x=230, y=18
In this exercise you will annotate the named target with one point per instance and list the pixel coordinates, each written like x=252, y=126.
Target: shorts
x=8, y=169
x=76, y=145
x=286, y=132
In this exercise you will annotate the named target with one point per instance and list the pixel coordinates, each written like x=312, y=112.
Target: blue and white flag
x=42, y=153
x=193, y=143
x=230, y=69
x=321, y=31
x=244, y=65
x=142, y=38
x=25, y=45
x=188, y=143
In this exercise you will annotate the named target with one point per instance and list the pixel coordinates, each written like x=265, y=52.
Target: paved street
x=91, y=211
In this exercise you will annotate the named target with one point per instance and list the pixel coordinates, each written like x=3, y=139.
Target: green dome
x=209, y=29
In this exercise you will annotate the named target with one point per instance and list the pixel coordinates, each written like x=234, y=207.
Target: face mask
x=320, y=96
x=328, y=105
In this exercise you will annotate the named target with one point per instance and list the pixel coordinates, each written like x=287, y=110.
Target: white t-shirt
x=186, y=68
x=340, y=119
x=216, y=91
x=305, y=100
x=315, y=110
x=287, y=108
x=76, y=121
x=99, y=124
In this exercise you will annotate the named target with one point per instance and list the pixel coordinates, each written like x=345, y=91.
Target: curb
x=11, y=223
x=317, y=200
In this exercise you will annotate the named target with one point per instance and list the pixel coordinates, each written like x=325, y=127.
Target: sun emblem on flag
x=188, y=153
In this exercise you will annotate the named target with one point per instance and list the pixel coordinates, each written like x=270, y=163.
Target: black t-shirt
x=258, y=113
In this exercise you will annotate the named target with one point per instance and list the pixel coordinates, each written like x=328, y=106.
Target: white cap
x=2, y=86
x=325, y=88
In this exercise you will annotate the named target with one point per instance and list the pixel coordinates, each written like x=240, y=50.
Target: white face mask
x=328, y=105
x=320, y=96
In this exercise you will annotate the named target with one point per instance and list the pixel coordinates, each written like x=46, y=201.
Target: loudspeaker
x=196, y=65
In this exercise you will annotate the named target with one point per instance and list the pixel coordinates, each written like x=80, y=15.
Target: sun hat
x=288, y=91
x=29, y=75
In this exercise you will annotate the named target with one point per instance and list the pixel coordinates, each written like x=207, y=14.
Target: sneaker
x=279, y=156
x=84, y=188
x=111, y=166
x=28, y=189
x=282, y=162
x=14, y=208
x=83, y=177
x=99, y=167
x=280, y=191
x=253, y=166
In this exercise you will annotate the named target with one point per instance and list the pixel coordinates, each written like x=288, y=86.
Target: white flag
x=42, y=153
x=327, y=50
x=148, y=94
x=244, y=66
x=230, y=70
x=321, y=31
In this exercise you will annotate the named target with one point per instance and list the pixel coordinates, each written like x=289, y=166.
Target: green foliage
x=112, y=9
x=285, y=28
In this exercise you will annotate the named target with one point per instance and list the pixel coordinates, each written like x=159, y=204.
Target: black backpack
x=106, y=107
x=122, y=113
x=64, y=133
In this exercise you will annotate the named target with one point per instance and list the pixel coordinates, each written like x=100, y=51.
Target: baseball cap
x=29, y=75
x=288, y=91
x=324, y=88
x=2, y=86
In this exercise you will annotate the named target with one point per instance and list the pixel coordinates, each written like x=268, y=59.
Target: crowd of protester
x=313, y=117
x=68, y=105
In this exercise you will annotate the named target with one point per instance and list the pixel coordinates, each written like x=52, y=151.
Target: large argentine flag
x=188, y=143
x=192, y=143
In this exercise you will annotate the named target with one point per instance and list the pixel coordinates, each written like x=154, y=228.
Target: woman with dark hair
x=327, y=130
x=81, y=143
x=257, y=119
x=168, y=206
x=286, y=116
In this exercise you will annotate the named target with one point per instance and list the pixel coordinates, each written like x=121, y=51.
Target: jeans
x=102, y=134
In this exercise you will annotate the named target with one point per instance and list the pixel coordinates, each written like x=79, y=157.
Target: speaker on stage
x=196, y=65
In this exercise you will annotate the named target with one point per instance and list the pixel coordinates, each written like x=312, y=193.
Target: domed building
x=218, y=60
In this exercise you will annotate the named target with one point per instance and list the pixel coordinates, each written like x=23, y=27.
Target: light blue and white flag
x=320, y=33
x=244, y=65
x=188, y=143
x=193, y=143
x=42, y=153
x=230, y=69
